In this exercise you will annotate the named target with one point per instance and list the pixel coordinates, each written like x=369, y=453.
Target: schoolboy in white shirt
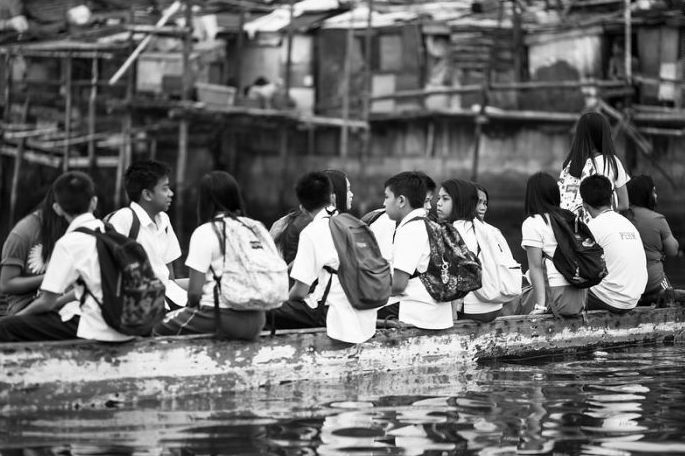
x=624, y=253
x=404, y=198
x=315, y=252
x=74, y=256
x=147, y=187
x=384, y=228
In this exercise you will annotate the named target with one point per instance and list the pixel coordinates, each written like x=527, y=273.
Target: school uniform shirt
x=75, y=255
x=569, y=186
x=467, y=230
x=536, y=231
x=410, y=254
x=625, y=259
x=156, y=236
x=384, y=229
x=316, y=250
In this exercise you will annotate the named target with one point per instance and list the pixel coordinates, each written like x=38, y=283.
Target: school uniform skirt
x=233, y=324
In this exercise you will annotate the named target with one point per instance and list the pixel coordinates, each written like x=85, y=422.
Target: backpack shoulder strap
x=135, y=225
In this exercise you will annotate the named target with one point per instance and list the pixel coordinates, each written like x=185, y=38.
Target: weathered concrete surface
x=67, y=375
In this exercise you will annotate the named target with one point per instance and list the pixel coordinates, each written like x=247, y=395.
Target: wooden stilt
x=289, y=53
x=183, y=128
x=18, y=163
x=347, y=71
x=368, y=80
x=7, y=100
x=91, y=113
x=67, y=111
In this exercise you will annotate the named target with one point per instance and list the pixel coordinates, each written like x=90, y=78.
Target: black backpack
x=372, y=216
x=133, y=297
x=577, y=257
x=453, y=270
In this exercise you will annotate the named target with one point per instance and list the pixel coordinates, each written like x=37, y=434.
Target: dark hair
x=593, y=133
x=52, y=226
x=484, y=190
x=430, y=183
x=218, y=192
x=339, y=181
x=411, y=185
x=143, y=175
x=314, y=190
x=464, y=199
x=73, y=192
x=542, y=194
x=596, y=191
x=641, y=192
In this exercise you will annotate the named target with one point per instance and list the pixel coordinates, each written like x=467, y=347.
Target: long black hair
x=464, y=199
x=593, y=134
x=641, y=192
x=219, y=192
x=52, y=226
x=542, y=194
x=339, y=181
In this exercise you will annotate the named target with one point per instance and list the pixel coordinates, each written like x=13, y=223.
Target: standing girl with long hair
x=592, y=152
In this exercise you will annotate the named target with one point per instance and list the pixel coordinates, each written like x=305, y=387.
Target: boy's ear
x=58, y=209
x=402, y=200
x=145, y=194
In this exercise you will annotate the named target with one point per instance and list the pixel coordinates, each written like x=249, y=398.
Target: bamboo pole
x=368, y=80
x=183, y=128
x=347, y=70
x=238, y=66
x=18, y=162
x=67, y=111
x=628, y=47
x=7, y=99
x=144, y=43
x=95, y=75
x=289, y=53
x=125, y=147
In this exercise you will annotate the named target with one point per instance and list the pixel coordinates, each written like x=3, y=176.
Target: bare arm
x=195, y=283
x=299, y=290
x=400, y=279
x=671, y=246
x=623, y=202
x=11, y=281
x=537, y=274
x=46, y=302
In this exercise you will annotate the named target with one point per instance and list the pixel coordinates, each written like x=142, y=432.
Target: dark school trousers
x=37, y=327
x=594, y=303
x=296, y=314
x=243, y=325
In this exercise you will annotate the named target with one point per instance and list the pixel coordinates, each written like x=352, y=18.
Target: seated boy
x=315, y=253
x=405, y=196
x=624, y=254
x=145, y=220
x=384, y=228
x=74, y=257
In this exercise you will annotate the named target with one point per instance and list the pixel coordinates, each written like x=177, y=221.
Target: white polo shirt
x=411, y=253
x=384, y=229
x=537, y=232
x=316, y=250
x=156, y=236
x=467, y=231
x=75, y=255
x=625, y=258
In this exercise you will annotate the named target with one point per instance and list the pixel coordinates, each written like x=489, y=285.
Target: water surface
x=627, y=401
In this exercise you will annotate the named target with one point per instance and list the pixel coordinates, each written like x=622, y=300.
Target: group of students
x=51, y=273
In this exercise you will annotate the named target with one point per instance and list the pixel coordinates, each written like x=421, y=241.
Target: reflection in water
x=625, y=402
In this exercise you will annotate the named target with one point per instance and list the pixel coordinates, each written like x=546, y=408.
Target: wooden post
x=347, y=71
x=94, y=76
x=517, y=38
x=7, y=99
x=125, y=147
x=182, y=159
x=368, y=80
x=67, y=111
x=18, y=162
x=289, y=53
x=238, y=64
x=628, y=41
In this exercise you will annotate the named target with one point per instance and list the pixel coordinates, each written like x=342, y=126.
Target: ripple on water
x=624, y=402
